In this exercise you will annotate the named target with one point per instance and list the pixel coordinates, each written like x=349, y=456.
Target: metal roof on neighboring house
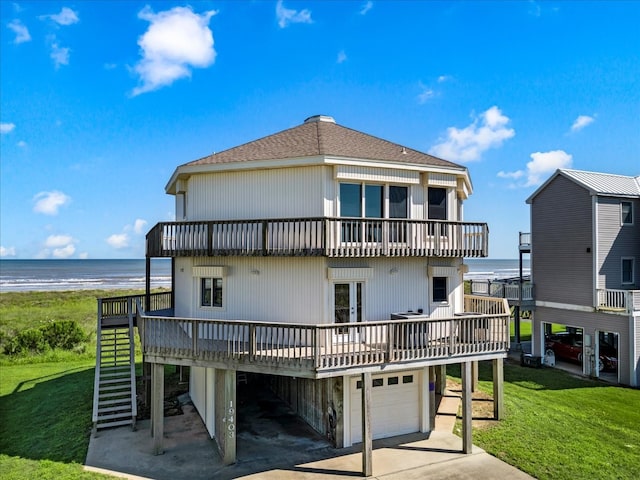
x=607, y=184
x=321, y=135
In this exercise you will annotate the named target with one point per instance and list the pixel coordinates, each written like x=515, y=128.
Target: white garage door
x=395, y=405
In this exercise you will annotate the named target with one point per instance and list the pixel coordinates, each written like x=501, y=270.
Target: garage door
x=395, y=405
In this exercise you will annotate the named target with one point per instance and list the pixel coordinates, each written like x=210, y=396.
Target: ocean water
x=39, y=275
x=490, y=269
x=33, y=275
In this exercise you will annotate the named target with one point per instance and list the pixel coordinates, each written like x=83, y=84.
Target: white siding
x=299, y=290
x=202, y=393
x=281, y=193
x=377, y=175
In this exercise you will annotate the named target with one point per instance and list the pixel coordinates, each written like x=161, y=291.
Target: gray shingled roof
x=605, y=183
x=318, y=136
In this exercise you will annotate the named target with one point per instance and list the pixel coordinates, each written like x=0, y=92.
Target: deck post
x=225, y=414
x=157, y=407
x=498, y=388
x=466, y=408
x=432, y=396
x=441, y=379
x=367, y=444
x=474, y=376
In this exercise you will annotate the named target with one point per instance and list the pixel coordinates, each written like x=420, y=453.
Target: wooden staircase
x=114, y=394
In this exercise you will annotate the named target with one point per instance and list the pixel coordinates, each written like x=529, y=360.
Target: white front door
x=347, y=301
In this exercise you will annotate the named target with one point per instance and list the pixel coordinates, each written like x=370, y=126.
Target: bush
x=64, y=334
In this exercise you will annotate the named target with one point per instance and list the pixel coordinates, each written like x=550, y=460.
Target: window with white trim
x=211, y=292
x=439, y=293
x=626, y=211
x=371, y=200
x=627, y=270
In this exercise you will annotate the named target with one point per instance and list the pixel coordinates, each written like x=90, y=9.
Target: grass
x=22, y=310
x=46, y=420
x=558, y=426
x=525, y=329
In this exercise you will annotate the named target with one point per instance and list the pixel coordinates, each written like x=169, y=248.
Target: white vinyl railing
x=621, y=301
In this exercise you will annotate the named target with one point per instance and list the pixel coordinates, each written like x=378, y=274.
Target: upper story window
x=626, y=210
x=437, y=209
x=627, y=270
x=376, y=201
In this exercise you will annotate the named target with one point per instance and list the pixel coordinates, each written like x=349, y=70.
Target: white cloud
x=545, y=163
x=65, y=17
x=49, y=203
x=534, y=9
x=83, y=255
x=342, y=57
x=59, y=55
x=488, y=130
x=22, y=144
x=287, y=16
x=581, y=122
x=425, y=95
x=58, y=241
x=366, y=7
x=118, y=240
x=444, y=78
x=21, y=31
x=515, y=175
x=7, y=127
x=58, y=246
x=139, y=225
x=176, y=40
x=64, y=252
x=7, y=251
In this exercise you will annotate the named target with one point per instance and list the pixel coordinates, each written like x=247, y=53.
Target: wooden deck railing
x=116, y=309
x=509, y=291
x=330, y=237
x=619, y=301
x=313, y=350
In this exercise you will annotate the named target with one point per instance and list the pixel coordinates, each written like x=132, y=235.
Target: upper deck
x=324, y=236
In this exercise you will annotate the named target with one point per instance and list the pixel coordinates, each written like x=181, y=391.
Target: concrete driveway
x=275, y=444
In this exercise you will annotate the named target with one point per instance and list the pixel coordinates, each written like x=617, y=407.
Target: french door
x=347, y=301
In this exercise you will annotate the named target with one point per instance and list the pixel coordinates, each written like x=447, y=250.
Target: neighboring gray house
x=585, y=262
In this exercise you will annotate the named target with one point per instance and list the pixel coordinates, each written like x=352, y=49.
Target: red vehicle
x=569, y=346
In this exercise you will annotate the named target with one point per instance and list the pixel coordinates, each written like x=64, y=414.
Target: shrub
x=64, y=334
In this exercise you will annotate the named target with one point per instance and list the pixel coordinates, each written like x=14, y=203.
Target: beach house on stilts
x=332, y=262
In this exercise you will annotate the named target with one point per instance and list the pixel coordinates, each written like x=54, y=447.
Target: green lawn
x=46, y=420
x=558, y=426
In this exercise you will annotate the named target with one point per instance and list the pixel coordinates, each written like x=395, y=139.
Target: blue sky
x=101, y=101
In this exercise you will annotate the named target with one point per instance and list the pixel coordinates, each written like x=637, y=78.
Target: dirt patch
x=481, y=405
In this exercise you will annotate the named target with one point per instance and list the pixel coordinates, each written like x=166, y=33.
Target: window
x=627, y=270
x=373, y=201
x=398, y=202
x=357, y=198
x=439, y=293
x=392, y=381
x=407, y=379
x=378, y=382
x=211, y=292
x=626, y=209
x=437, y=203
x=350, y=200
